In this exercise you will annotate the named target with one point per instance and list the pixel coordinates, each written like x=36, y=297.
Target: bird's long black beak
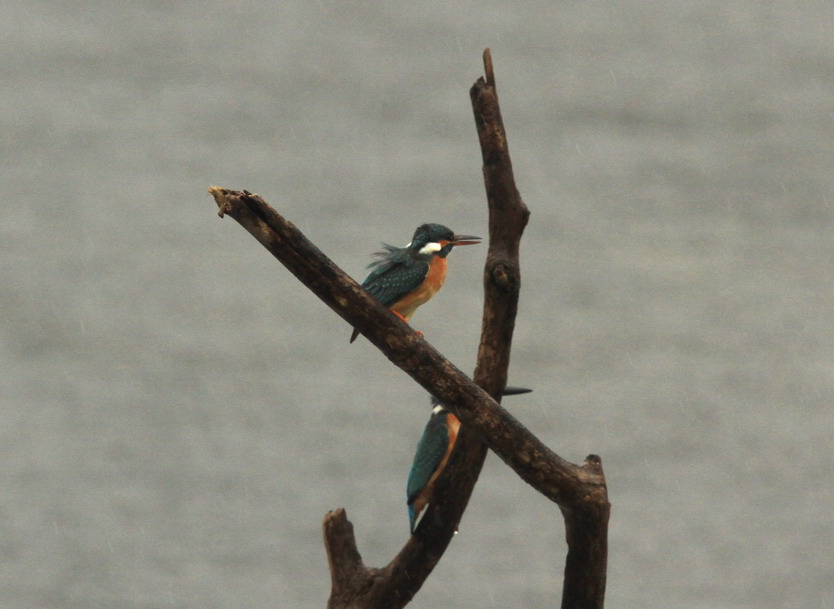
x=510, y=390
x=466, y=240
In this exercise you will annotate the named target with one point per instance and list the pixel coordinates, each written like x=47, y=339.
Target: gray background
x=178, y=412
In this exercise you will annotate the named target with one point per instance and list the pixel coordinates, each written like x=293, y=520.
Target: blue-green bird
x=433, y=451
x=403, y=278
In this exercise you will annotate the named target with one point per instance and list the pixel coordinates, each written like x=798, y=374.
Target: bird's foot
x=400, y=316
x=405, y=321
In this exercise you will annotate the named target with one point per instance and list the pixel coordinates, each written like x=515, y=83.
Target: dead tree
x=578, y=490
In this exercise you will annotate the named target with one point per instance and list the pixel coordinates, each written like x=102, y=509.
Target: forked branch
x=579, y=490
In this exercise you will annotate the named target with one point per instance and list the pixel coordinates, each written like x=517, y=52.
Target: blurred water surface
x=178, y=413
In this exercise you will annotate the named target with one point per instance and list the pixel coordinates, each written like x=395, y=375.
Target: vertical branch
x=502, y=281
x=585, y=508
x=507, y=218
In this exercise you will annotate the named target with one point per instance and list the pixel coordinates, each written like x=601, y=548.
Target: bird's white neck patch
x=430, y=248
x=437, y=409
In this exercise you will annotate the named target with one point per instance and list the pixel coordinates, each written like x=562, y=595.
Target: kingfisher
x=432, y=454
x=403, y=278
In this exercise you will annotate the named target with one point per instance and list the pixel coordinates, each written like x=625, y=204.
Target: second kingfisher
x=433, y=451
x=404, y=278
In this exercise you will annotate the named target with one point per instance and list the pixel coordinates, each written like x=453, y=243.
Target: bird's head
x=431, y=239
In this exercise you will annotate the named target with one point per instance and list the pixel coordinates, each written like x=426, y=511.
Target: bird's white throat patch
x=430, y=248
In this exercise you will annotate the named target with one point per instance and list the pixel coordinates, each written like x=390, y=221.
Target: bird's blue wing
x=387, y=257
x=430, y=451
x=394, y=275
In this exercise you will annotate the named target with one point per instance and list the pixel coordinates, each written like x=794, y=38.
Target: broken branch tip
x=490, y=75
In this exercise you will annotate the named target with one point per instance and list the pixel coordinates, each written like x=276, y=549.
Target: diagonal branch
x=578, y=489
x=510, y=440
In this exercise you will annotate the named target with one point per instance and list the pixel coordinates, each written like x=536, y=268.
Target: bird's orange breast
x=453, y=425
x=430, y=286
x=424, y=498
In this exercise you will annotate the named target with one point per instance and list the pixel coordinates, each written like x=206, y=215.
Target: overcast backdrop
x=179, y=413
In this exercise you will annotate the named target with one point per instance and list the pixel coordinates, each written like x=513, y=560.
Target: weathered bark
x=579, y=490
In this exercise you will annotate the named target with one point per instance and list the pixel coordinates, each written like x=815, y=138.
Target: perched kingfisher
x=404, y=278
x=432, y=454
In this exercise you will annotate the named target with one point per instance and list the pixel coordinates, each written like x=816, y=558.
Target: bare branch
x=578, y=489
